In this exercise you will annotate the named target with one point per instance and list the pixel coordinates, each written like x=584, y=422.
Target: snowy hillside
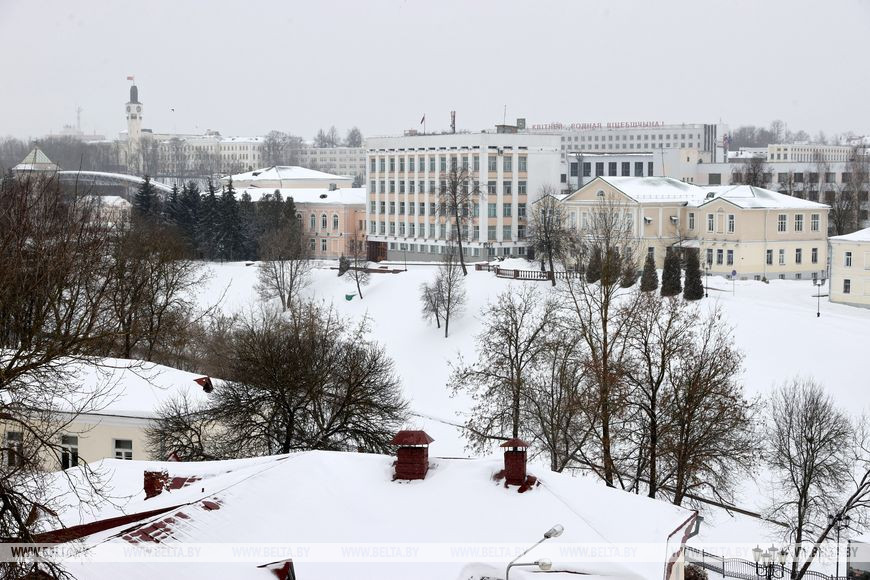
x=774, y=324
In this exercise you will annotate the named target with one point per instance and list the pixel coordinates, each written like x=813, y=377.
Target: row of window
x=69, y=449
x=466, y=251
x=439, y=231
x=631, y=137
x=612, y=166
x=408, y=186
x=781, y=222
x=436, y=209
x=419, y=164
x=785, y=177
x=798, y=256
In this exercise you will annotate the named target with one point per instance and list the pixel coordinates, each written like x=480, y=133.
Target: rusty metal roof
x=515, y=442
x=411, y=438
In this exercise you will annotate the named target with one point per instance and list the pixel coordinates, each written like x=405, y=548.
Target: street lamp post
x=707, y=265
x=818, y=283
x=839, y=522
x=543, y=564
x=767, y=561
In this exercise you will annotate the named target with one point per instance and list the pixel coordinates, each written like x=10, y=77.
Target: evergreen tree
x=146, y=204
x=629, y=272
x=671, y=285
x=230, y=224
x=172, y=210
x=694, y=289
x=208, y=230
x=593, y=267
x=649, y=280
x=188, y=217
x=249, y=235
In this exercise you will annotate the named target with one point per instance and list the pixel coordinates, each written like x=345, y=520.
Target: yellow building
x=850, y=268
x=754, y=232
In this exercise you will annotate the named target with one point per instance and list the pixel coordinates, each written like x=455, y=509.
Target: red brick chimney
x=515, y=461
x=412, y=457
x=155, y=483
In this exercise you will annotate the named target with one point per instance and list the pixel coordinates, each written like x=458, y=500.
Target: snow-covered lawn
x=775, y=325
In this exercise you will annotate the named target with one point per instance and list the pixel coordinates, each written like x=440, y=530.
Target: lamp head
x=544, y=564
x=554, y=532
x=756, y=553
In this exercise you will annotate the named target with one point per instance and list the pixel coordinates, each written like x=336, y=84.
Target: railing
x=744, y=569
x=526, y=274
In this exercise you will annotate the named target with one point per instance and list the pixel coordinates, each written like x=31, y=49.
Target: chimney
x=515, y=461
x=205, y=383
x=412, y=456
x=155, y=483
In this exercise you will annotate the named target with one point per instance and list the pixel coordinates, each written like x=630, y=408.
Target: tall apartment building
x=405, y=175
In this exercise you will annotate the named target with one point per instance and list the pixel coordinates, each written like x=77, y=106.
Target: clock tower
x=134, y=128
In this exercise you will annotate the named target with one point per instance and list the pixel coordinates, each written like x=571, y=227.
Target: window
x=507, y=164
x=383, y=164
x=313, y=222
x=490, y=233
x=769, y=258
x=730, y=223
x=782, y=257
x=599, y=168
x=431, y=165
x=69, y=451
x=522, y=164
x=691, y=220
x=587, y=169
x=506, y=187
x=392, y=208
x=322, y=244
x=410, y=187
x=401, y=228
x=798, y=255
x=814, y=222
x=649, y=169
x=392, y=186
x=611, y=168
x=491, y=163
x=432, y=208
x=710, y=222
x=411, y=207
x=14, y=448
x=372, y=164
x=506, y=233
x=626, y=168
x=521, y=210
x=709, y=256
x=335, y=221
x=847, y=286
x=521, y=187
x=814, y=255
x=411, y=164
x=383, y=186
x=476, y=162
x=443, y=163
x=782, y=222
x=730, y=258
x=799, y=222
x=123, y=449
x=402, y=186
x=719, y=254
x=312, y=241
x=714, y=179
x=506, y=210
x=491, y=210
x=392, y=164
x=402, y=164
x=847, y=259
x=490, y=187
x=521, y=233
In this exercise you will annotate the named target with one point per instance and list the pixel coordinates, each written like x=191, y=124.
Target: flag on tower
x=130, y=78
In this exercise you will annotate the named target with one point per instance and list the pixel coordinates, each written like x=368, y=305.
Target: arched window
x=323, y=222
x=335, y=221
x=313, y=222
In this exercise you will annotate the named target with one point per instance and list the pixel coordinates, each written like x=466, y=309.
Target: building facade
x=347, y=161
x=754, y=232
x=405, y=175
x=850, y=268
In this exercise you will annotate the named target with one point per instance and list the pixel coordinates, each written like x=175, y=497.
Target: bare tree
x=455, y=196
x=548, y=229
x=354, y=138
x=809, y=457
x=601, y=311
x=514, y=336
x=451, y=286
x=54, y=259
x=709, y=440
x=430, y=298
x=286, y=265
x=304, y=380
x=275, y=145
x=359, y=264
x=846, y=201
x=752, y=171
x=658, y=339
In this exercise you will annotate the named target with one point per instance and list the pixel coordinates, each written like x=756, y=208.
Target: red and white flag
x=130, y=78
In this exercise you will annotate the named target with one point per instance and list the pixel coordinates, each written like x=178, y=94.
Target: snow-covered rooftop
x=333, y=499
x=115, y=201
x=286, y=172
x=323, y=195
x=748, y=196
x=655, y=189
x=36, y=160
x=859, y=236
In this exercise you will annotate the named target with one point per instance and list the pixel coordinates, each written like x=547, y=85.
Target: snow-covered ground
x=774, y=324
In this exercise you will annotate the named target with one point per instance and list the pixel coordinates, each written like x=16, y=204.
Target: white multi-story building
x=808, y=152
x=349, y=161
x=405, y=175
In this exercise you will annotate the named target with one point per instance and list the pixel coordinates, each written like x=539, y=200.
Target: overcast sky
x=245, y=67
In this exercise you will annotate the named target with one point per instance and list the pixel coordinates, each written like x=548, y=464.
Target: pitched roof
x=654, y=189
x=748, y=196
x=320, y=498
x=286, y=172
x=859, y=236
x=36, y=160
x=321, y=195
x=411, y=438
